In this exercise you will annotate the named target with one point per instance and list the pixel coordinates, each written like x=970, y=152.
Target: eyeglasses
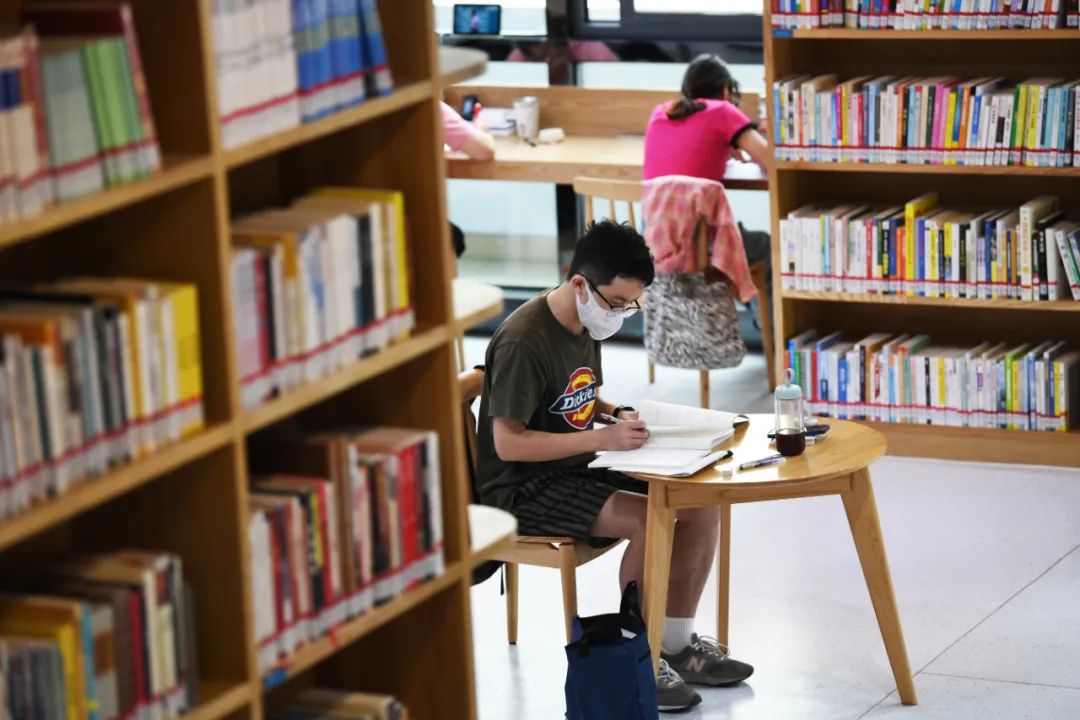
x=625, y=310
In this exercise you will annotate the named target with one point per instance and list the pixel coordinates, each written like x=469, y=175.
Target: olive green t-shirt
x=541, y=374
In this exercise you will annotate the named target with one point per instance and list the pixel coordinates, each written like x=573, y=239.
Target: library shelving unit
x=1015, y=54
x=191, y=498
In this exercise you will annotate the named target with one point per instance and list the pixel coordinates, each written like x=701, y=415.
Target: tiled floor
x=985, y=560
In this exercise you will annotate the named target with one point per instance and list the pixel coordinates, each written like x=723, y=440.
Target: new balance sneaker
x=672, y=694
x=704, y=662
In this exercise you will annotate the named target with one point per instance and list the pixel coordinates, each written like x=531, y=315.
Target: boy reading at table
x=536, y=439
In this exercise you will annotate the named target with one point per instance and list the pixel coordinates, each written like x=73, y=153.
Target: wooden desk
x=837, y=466
x=615, y=158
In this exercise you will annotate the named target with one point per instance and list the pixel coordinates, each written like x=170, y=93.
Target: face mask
x=600, y=323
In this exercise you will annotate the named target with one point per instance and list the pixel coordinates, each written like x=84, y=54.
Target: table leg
x=659, y=536
x=866, y=531
x=723, y=575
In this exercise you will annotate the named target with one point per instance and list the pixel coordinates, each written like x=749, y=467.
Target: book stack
x=928, y=120
x=93, y=372
x=927, y=14
x=311, y=58
x=357, y=523
x=107, y=637
x=324, y=704
x=918, y=249
x=317, y=286
x=908, y=379
x=98, y=123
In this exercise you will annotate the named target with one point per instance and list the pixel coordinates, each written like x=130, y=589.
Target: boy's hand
x=629, y=415
x=627, y=435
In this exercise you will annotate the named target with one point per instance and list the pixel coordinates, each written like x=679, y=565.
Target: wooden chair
x=629, y=192
x=563, y=553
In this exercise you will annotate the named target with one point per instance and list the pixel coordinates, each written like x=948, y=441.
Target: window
x=699, y=7
x=667, y=19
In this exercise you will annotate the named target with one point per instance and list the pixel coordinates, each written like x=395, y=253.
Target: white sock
x=677, y=632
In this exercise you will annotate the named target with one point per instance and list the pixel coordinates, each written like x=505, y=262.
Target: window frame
x=664, y=26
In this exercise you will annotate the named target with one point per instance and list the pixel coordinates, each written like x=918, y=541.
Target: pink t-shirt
x=456, y=129
x=698, y=145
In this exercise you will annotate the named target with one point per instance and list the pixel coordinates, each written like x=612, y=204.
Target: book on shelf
x=256, y=71
x=103, y=637
x=318, y=285
x=127, y=135
x=376, y=64
x=322, y=703
x=349, y=520
x=313, y=58
x=909, y=379
x=24, y=148
x=978, y=122
x=926, y=14
x=1027, y=253
x=94, y=372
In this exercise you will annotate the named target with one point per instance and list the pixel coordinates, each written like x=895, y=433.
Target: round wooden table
x=835, y=466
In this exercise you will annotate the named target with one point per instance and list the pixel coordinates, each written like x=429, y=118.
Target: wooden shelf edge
x=981, y=444
x=457, y=64
x=974, y=303
x=491, y=531
x=176, y=173
x=97, y=491
x=364, y=369
x=945, y=35
x=911, y=169
x=225, y=699
x=366, y=111
x=348, y=633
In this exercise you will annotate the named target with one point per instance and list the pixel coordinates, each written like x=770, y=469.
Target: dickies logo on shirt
x=578, y=401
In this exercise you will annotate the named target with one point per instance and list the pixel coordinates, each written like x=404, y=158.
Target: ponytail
x=706, y=77
x=684, y=107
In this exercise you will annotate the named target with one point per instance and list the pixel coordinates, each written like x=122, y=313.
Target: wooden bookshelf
x=972, y=53
x=191, y=497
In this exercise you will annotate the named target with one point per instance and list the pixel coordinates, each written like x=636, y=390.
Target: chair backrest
x=629, y=192
x=471, y=384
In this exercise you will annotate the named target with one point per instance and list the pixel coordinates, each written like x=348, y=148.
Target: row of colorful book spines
x=291, y=372
x=274, y=651
x=999, y=285
x=926, y=154
x=949, y=417
x=312, y=103
x=108, y=448
x=834, y=15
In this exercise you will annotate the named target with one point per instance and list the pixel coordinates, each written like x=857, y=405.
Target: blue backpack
x=609, y=674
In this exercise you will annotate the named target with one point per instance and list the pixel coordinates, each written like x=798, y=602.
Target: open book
x=689, y=428
x=681, y=441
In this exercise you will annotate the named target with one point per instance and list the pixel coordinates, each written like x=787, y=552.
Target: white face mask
x=600, y=323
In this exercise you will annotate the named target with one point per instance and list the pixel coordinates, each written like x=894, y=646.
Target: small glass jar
x=790, y=423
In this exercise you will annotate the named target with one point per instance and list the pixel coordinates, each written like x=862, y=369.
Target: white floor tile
x=1033, y=638
x=951, y=698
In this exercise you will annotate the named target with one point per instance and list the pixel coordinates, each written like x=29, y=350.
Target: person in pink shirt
x=469, y=138
x=474, y=141
x=697, y=134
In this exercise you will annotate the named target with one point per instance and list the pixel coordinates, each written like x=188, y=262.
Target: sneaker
x=672, y=694
x=705, y=662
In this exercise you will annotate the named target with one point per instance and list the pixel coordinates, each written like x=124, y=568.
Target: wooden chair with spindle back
x=562, y=553
x=629, y=192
